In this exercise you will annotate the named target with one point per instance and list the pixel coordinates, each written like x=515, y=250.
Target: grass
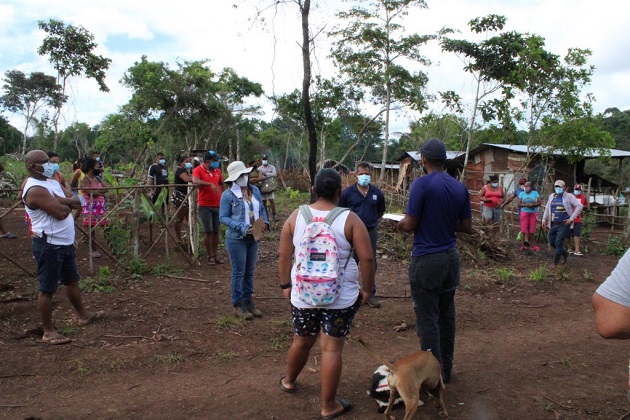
x=277, y=343
x=228, y=322
x=226, y=355
x=81, y=369
x=539, y=274
x=67, y=330
x=587, y=275
x=504, y=273
x=165, y=268
x=284, y=323
x=169, y=359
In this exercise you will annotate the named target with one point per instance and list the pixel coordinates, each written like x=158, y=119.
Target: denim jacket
x=232, y=210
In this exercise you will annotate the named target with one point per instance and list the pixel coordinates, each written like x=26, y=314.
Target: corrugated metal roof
x=521, y=148
x=449, y=155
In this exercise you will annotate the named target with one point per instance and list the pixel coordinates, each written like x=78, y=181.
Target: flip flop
x=95, y=317
x=56, y=341
x=211, y=261
x=347, y=406
x=8, y=235
x=287, y=390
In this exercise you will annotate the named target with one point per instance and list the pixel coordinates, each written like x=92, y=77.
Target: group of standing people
x=561, y=205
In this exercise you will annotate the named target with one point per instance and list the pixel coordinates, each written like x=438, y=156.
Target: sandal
x=217, y=260
x=287, y=390
x=211, y=261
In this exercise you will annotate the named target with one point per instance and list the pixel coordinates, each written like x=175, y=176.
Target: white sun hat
x=236, y=169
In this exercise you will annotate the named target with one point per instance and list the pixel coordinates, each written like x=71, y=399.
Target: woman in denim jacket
x=240, y=206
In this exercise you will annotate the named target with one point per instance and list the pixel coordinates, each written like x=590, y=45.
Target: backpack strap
x=332, y=215
x=306, y=213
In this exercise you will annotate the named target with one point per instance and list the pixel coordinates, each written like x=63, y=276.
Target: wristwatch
x=285, y=286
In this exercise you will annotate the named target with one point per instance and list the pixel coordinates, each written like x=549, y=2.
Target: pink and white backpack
x=317, y=275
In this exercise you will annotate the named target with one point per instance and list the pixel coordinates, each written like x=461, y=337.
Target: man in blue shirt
x=561, y=210
x=438, y=206
x=368, y=202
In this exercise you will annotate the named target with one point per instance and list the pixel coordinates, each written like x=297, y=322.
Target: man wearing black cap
x=210, y=181
x=266, y=182
x=438, y=206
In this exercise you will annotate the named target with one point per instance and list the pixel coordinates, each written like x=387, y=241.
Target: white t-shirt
x=617, y=285
x=58, y=232
x=350, y=283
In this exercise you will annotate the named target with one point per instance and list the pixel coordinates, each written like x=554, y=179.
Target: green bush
x=615, y=246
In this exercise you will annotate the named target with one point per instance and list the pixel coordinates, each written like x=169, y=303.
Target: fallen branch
x=560, y=405
x=16, y=299
x=186, y=278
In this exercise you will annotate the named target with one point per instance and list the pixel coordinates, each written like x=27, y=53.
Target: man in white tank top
x=49, y=207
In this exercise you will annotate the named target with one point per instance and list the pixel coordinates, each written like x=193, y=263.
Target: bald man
x=49, y=207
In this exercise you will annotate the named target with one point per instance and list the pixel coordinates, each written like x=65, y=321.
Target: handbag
x=268, y=185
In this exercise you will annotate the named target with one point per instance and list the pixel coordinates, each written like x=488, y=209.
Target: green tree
x=370, y=47
x=10, y=137
x=30, y=96
x=70, y=51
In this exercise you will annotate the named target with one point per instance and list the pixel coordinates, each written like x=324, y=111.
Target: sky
x=266, y=49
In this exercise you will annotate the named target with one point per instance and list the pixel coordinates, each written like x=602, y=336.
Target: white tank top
x=58, y=232
x=350, y=283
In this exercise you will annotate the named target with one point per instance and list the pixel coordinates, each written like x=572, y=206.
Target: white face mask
x=242, y=181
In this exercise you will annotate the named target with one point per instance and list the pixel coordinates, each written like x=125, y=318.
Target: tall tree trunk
x=386, y=136
x=238, y=144
x=470, y=132
x=306, y=84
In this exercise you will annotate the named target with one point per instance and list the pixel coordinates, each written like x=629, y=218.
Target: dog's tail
x=390, y=366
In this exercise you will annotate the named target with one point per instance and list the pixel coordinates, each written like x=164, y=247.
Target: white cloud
x=268, y=52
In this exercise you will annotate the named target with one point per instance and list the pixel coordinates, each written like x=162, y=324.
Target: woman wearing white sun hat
x=241, y=205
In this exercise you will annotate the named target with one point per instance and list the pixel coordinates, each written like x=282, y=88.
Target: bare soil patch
x=168, y=349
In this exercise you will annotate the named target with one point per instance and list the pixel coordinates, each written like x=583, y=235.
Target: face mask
x=527, y=190
x=577, y=192
x=98, y=159
x=188, y=165
x=559, y=190
x=162, y=161
x=265, y=162
x=495, y=184
x=363, y=180
x=48, y=170
x=55, y=167
x=242, y=181
x=215, y=164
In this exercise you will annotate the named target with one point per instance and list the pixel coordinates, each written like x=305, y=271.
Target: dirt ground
x=167, y=347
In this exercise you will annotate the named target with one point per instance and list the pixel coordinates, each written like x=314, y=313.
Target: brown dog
x=411, y=375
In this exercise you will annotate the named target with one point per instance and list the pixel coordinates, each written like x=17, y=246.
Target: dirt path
x=167, y=348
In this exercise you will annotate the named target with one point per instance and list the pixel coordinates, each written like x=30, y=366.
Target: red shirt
x=582, y=198
x=206, y=195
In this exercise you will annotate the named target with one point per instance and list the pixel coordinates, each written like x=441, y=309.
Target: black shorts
x=577, y=230
x=334, y=322
x=55, y=264
x=209, y=217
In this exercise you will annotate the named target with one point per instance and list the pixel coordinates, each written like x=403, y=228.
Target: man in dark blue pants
x=561, y=210
x=438, y=206
x=368, y=202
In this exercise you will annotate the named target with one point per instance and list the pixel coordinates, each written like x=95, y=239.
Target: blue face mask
x=215, y=164
x=188, y=165
x=363, y=180
x=48, y=170
x=495, y=184
x=55, y=167
x=265, y=162
x=162, y=161
x=559, y=190
x=98, y=158
x=577, y=192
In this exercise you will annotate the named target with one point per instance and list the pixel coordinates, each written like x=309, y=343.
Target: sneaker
x=374, y=303
x=535, y=248
x=577, y=253
x=240, y=311
x=249, y=305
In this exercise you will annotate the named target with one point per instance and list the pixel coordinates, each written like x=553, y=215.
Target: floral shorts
x=334, y=322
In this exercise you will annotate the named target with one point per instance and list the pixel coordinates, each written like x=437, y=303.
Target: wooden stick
x=185, y=278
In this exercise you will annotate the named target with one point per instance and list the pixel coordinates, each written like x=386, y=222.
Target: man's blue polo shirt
x=369, y=208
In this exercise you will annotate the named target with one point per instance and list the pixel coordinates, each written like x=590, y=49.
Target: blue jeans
x=433, y=279
x=557, y=234
x=243, y=254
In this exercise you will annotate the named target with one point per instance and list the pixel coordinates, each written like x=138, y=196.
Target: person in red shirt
x=576, y=230
x=210, y=181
